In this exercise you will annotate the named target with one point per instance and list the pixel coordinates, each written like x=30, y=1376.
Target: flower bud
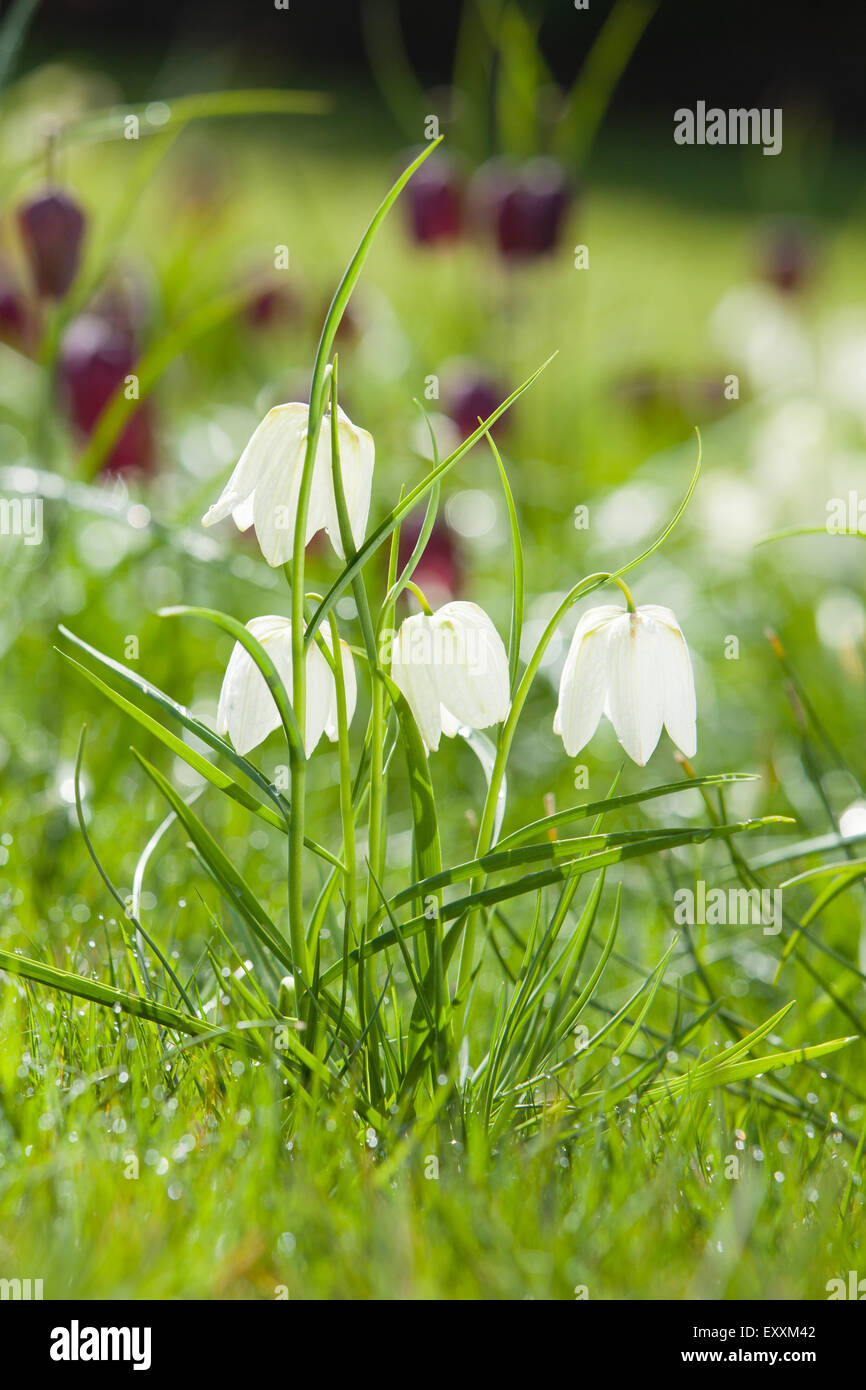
x=785, y=254
x=16, y=319
x=434, y=203
x=52, y=229
x=524, y=207
x=439, y=572
x=96, y=357
x=634, y=668
x=452, y=668
x=271, y=307
x=470, y=395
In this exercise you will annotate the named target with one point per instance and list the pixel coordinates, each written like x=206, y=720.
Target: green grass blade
x=410, y=501
x=255, y=649
x=149, y=369
x=237, y=890
x=182, y=750
x=531, y=883
x=178, y=712
x=616, y=803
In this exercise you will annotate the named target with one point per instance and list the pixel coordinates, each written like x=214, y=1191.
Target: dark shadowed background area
x=739, y=51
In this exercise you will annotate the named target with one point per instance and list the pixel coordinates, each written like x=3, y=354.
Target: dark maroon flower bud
x=16, y=318
x=272, y=307
x=523, y=206
x=640, y=390
x=439, y=573
x=96, y=357
x=434, y=202
x=470, y=393
x=786, y=254
x=52, y=228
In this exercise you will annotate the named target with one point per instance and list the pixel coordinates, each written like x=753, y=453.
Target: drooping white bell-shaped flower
x=263, y=489
x=452, y=669
x=247, y=710
x=635, y=668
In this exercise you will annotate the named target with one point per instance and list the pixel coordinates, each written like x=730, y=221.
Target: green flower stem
x=626, y=591
x=584, y=587
x=366, y=1002
x=425, y=606
x=377, y=832
x=362, y=603
x=503, y=748
x=409, y=500
x=347, y=813
x=318, y=388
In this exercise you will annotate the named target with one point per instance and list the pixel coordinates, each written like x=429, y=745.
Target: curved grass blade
x=725, y=1073
x=787, y=532
x=101, y=126
x=126, y=909
x=181, y=713
x=397, y=513
x=840, y=884
x=501, y=859
x=12, y=33
x=234, y=885
x=82, y=987
x=615, y=803
x=182, y=750
x=519, y=584
x=255, y=649
x=531, y=883
x=150, y=367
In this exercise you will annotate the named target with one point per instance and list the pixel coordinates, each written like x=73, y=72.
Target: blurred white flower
x=628, y=513
x=843, y=361
x=789, y=445
x=733, y=514
x=263, y=489
x=767, y=337
x=853, y=820
x=841, y=619
x=452, y=669
x=634, y=668
x=247, y=709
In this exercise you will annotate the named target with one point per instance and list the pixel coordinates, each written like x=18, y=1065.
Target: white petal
x=243, y=514
x=635, y=684
x=680, y=709
x=351, y=688
x=471, y=665
x=321, y=509
x=236, y=497
x=413, y=674
x=279, y=454
x=450, y=726
x=237, y=491
x=583, y=684
x=273, y=631
x=357, y=456
x=247, y=710
x=320, y=699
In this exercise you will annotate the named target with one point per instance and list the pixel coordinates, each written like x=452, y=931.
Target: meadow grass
x=138, y=1161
